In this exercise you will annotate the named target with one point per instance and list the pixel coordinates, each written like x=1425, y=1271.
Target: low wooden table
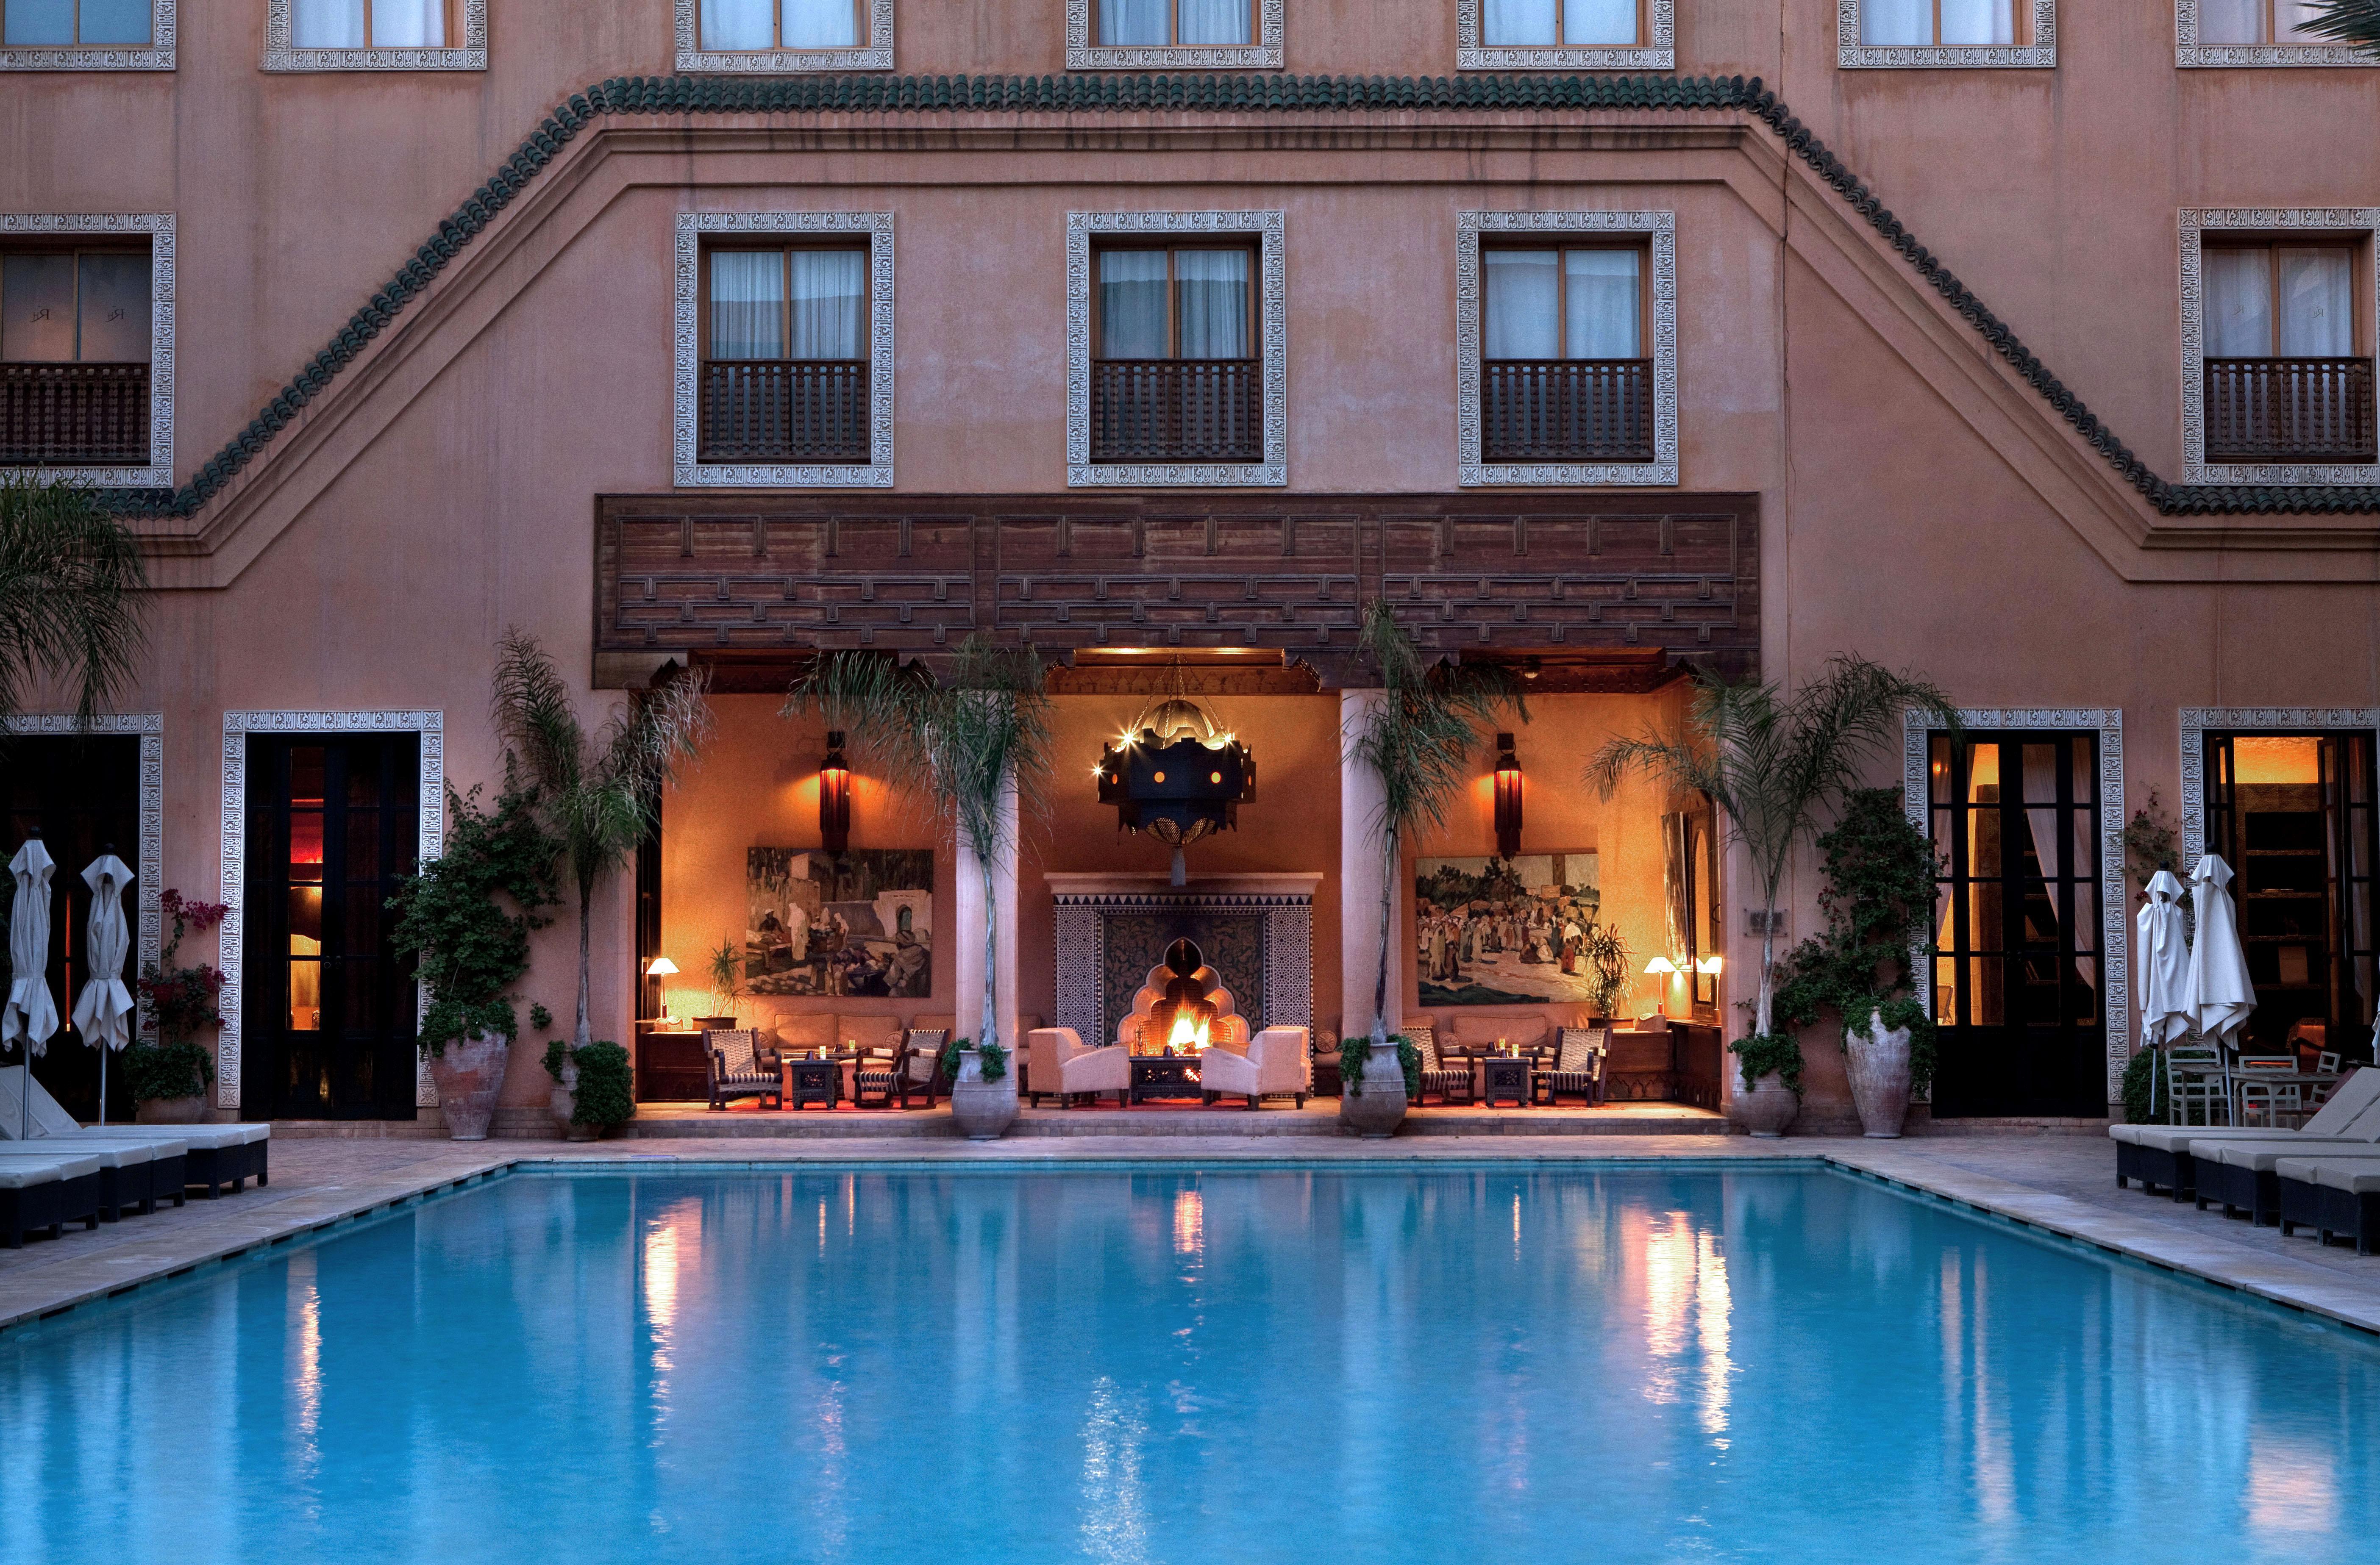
x=812, y=1081
x=1504, y=1075
x=1165, y=1077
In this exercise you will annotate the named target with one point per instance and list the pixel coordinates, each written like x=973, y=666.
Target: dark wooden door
x=332, y=824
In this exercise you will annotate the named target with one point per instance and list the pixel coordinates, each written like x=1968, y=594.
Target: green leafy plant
x=168, y=1070
x=993, y=1066
x=71, y=594
x=598, y=794
x=2143, y=1085
x=1604, y=957
x=726, y=968
x=2150, y=845
x=540, y=1018
x=971, y=744
x=606, y=1094
x=1354, y=1051
x=1764, y=1053
x=468, y=913
x=557, y=1054
x=181, y=1001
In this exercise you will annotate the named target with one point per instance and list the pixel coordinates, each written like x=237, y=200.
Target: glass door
x=330, y=1008
x=2014, y=820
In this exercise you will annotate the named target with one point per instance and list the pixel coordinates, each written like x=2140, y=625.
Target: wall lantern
x=1664, y=969
x=1507, y=798
x=663, y=967
x=835, y=796
x=1177, y=774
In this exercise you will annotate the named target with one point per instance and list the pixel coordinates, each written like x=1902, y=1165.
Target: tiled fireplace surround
x=1256, y=931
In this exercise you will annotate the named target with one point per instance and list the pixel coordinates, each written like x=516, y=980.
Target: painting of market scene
x=1508, y=931
x=859, y=922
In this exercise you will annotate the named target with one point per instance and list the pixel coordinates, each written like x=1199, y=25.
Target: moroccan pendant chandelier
x=1177, y=774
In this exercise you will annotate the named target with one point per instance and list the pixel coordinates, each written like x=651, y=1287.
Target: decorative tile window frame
x=281, y=54
x=1660, y=50
x=237, y=726
x=1268, y=229
x=159, y=228
x=1661, y=228
x=2362, y=223
x=2197, y=721
x=877, y=471
x=1265, y=54
x=876, y=54
x=2115, y=950
x=158, y=55
x=150, y=729
x=2039, y=55
x=2189, y=53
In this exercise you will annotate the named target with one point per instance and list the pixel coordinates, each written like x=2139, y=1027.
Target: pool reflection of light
x=306, y=1371
x=673, y=1243
x=1114, y=1525
x=1189, y=1223
x=2289, y=1485
x=1689, y=1304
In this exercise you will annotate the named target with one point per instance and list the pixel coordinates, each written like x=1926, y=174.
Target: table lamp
x=1665, y=969
x=663, y=967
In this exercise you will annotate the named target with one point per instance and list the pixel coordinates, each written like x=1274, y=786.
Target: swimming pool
x=1490, y=1365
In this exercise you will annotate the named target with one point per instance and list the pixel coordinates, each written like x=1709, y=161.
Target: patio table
x=2305, y=1081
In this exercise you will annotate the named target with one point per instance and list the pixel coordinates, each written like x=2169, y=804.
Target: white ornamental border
x=2191, y=54
x=151, y=869
x=156, y=54
x=1658, y=52
x=2039, y=55
x=877, y=471
x=874, y=54
x=159, y=228
x=2364, y=223
x=1265, y=54
x=1662, y=227
x=1270, y=229
x=2115, y=950
x=233, y=893
x=283, y=54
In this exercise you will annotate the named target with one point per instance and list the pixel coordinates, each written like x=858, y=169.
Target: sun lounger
x=217, y=1156
x=47, y=1192
x=2159, y=1155
x=2332, y=1196
x=133, y=1172
x=2245, y=1174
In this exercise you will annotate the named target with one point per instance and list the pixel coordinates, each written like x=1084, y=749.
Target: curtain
x=37, y=308
x=1599, y=307
x=1518, y=21
x=409, y=24
x=2230, y=21
x=2317, y=302
x=1589, y=24
x=830, y=293
x=747, y=304
x=821, y=24
x=738, y=24
x=2238, y=303
x=326, y=24
x=1523, y=289
x=113, y=22
x=1215, y=21
x=115, y=310
x=1888, y=24
x=1978, y=22
x=1211, y=289
x=1127, y=22
x=1132, y=304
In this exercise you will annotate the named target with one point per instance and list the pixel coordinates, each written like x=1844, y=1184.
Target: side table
x=812, y=1081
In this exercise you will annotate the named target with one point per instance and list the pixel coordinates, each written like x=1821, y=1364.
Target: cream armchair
x=1056, y=1060
x=1276, y=1065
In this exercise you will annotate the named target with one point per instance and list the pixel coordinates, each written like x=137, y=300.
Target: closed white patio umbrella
x=32, y=1015
x=2161, y=957
x=102, y=1012
x=2220, y=995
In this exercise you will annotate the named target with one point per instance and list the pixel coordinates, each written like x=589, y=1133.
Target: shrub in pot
x=606, y=1097
x=170, y=1074
x=983, y=1098
x=1371, y=1099
x=169, y=1082
x=1770, y=1095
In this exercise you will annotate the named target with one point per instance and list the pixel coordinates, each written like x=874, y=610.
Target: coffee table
x=812, y=1081
x=1504, y=1075
x=1164, y=1076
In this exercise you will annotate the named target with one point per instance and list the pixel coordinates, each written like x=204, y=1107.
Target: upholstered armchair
x=1060, y=1063
x=1276, y=1065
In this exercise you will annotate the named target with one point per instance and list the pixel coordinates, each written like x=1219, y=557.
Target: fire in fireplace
x=1182, y=1008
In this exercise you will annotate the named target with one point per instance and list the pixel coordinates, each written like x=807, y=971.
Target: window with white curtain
x=1177, y=303
x=2279, y=301
x=1560, y=24
x=1943, y=23
x=68, y=307
x=754, y=26
x=805, y=305
x=1576, y=302
x=368, y=24
x=1124, y=24
x=2257, y=21
x=67, y=24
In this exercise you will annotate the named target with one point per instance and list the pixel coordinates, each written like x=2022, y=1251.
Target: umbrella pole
x=103, y=1081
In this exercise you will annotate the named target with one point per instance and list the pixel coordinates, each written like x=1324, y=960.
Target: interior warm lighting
x=835, y=796
x=1665, y=969
x=1709, y=964
x=661, y=967
x=1507, y=798
x=1189, y=1033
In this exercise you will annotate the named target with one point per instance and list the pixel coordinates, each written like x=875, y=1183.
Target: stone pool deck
x=2065, y=1185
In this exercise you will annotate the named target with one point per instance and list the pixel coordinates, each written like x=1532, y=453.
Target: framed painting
x=1505, y=931
x=858, y=922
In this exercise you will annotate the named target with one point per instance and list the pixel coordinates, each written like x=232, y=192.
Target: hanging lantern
x=1507, y=798
x=1177, y=774
x=835, y=796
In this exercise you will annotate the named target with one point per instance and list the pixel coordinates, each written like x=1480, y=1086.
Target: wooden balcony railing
x=1177, y=410
x=783, y=410
x=1566, y=410
x=2288, y=410
x=80, y=415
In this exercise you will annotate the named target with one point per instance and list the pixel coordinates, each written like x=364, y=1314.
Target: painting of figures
x=1505, y=931
x=859, y=922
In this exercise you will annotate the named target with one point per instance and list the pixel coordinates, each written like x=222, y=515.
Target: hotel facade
x=2030, y=352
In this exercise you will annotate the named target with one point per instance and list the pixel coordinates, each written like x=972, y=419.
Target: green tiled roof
x=1197, y=93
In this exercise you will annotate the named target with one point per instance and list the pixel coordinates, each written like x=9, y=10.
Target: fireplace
x=1253, y=934
x=1183, y=1008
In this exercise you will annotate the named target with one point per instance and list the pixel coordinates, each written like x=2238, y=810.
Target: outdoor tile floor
x=2063, y=1183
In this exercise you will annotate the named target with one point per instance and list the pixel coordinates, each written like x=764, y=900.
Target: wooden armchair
x=919, y=1069
x=1577, y=1067
x=1444, y=1078
x=736, y=1071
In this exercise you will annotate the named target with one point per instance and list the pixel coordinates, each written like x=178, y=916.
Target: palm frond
x=535, y=717
x=1418, y=740
x=70, y=604
x=2347, y=21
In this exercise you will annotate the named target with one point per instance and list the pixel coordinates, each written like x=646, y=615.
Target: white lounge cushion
x=111, y=1154
x=214, y=1138
x=23, y=1174
x=2357, y=1176
x=2348, y=1103
x=2263, y=1155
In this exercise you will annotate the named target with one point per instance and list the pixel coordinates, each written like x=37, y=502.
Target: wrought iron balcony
x=783, y=410
x=1177, y=410
x=1566, y=410
x=74, y=415
x=2288, y=410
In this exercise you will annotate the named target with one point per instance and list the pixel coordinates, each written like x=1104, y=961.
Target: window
x=338, y=35
x=1932, y=34
x=1565, y=34
x=75, y=343
x=1566, y=347
x=368, y=24
x=1177, y=375
x=2256, y=33
x=1555, y=23
x=784, y=348
x=1198, y=34
x=69, y=24
x=785, y=35
x=2255, y=21
x=2277, y=357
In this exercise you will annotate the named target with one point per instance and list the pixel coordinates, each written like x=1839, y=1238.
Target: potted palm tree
x=599, y=794
x=1776, y=764
x=969, y=742
x=1416, y=739
x=726, y=969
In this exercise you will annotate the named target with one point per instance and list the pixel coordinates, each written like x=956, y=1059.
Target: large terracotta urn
x=470, y=1073
x=1876, y=1060
x=186, y=1111
x=984, y=1110
x=1764, y=1107
x=1374, y=1104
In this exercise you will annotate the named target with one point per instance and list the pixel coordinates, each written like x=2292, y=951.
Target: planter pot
x=1877, y=1062
x=1375, y=1105
x=1765, y=1108
x=469, y=1074
x=574, y=1132
x=563, y=1102
x=984, y=1110
x=170, y=1110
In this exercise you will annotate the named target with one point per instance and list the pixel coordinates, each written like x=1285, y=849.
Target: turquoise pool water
x=1494, y=1366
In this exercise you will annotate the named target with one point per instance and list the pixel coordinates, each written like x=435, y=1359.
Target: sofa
x=1275, y=1064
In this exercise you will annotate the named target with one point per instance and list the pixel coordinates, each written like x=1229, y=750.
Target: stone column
x=1360, y=870
x=971, y=919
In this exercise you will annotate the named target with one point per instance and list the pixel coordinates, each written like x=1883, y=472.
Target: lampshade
x=1709, y=964
x=663, y=967
x=1661, y=964
x=1507, y=798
